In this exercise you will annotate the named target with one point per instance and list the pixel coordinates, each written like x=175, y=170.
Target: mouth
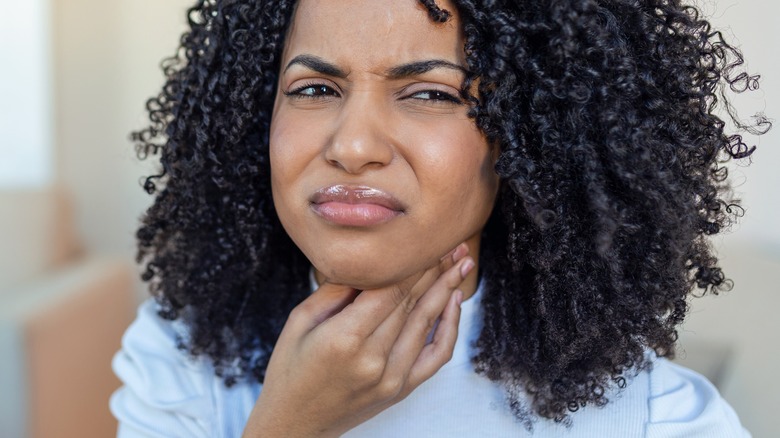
x=355, y=206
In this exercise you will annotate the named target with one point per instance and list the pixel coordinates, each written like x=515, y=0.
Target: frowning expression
x=376, y=169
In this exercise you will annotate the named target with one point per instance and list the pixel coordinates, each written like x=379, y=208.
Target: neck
x=470, y=283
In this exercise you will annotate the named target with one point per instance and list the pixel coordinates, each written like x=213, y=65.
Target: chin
x=361, y=273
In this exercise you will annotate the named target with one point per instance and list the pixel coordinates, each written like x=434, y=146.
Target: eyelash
x=442, y=96
x=325, y=89
x=322, y=91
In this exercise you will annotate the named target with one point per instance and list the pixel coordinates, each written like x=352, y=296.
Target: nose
x=361, y=138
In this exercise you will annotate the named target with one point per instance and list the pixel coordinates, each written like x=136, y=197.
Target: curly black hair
x=612, y=177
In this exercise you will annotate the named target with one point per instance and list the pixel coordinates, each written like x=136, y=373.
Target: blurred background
x=75, y=75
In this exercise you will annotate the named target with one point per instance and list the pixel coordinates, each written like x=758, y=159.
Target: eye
x=312, y=91
x=435, y=96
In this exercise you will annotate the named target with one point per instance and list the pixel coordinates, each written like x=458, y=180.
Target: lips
x=355, y=206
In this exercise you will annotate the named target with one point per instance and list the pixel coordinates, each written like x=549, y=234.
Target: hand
x=345, y=355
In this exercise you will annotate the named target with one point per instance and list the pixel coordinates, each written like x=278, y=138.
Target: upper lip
x=350, y=194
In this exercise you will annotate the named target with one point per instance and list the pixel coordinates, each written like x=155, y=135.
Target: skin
x=357, y=345
x=395, y=134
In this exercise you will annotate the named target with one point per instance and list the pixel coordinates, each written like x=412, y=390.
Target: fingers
x=389, y=307
x=328, y=300
x=411, y=339
x=388, y=329
x=406, y=294
x=413, y=288
x=434, y=355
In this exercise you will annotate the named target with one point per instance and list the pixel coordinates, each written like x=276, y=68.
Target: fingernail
x=459, y=297
x=466, y=267
x=460, y=252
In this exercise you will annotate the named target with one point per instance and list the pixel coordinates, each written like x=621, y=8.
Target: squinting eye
x=435, y=95
x=317, y=90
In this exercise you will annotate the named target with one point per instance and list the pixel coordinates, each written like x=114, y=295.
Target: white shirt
x=167, y=394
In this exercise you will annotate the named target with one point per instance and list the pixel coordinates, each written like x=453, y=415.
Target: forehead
x=372, y=34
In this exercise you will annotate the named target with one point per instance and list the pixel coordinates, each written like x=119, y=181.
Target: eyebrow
x=420, y=67
x=398, y=72
x=317, y=64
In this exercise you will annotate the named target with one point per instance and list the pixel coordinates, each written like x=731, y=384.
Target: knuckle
x=443, y=266
x=447, y=356
x=369, y=370
x=429, y=323
x=299, y=312
x=390, y=388
x=453, y=278
x=443, y=356
x=408, y=304
x=345, y=345
x=399, y=294
x=405, y=391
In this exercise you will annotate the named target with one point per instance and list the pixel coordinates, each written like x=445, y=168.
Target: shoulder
x=684, y=403
x=165, y=392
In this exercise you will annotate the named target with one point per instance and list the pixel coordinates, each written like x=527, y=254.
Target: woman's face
x=377, y=171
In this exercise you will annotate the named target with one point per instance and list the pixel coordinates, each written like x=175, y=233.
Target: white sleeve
x=165, y=394
x=683, y=403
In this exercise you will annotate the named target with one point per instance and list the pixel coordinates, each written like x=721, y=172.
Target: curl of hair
x=612, y=168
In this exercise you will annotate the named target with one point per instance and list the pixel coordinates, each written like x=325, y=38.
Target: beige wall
x=743, y=324
x=752, y=25
x=61, y=315
x=744, y=321
x=106, y=58
x=36, y=235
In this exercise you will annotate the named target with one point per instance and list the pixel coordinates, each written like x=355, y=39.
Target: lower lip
x=354, y=215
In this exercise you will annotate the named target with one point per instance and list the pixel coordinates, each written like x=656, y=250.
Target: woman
x=500, y=209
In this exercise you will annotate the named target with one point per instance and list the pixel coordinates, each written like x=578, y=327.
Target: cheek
x=455, y=171
x=285, y=167
x=280, y=142
x=463, y=165
x=289, y=152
